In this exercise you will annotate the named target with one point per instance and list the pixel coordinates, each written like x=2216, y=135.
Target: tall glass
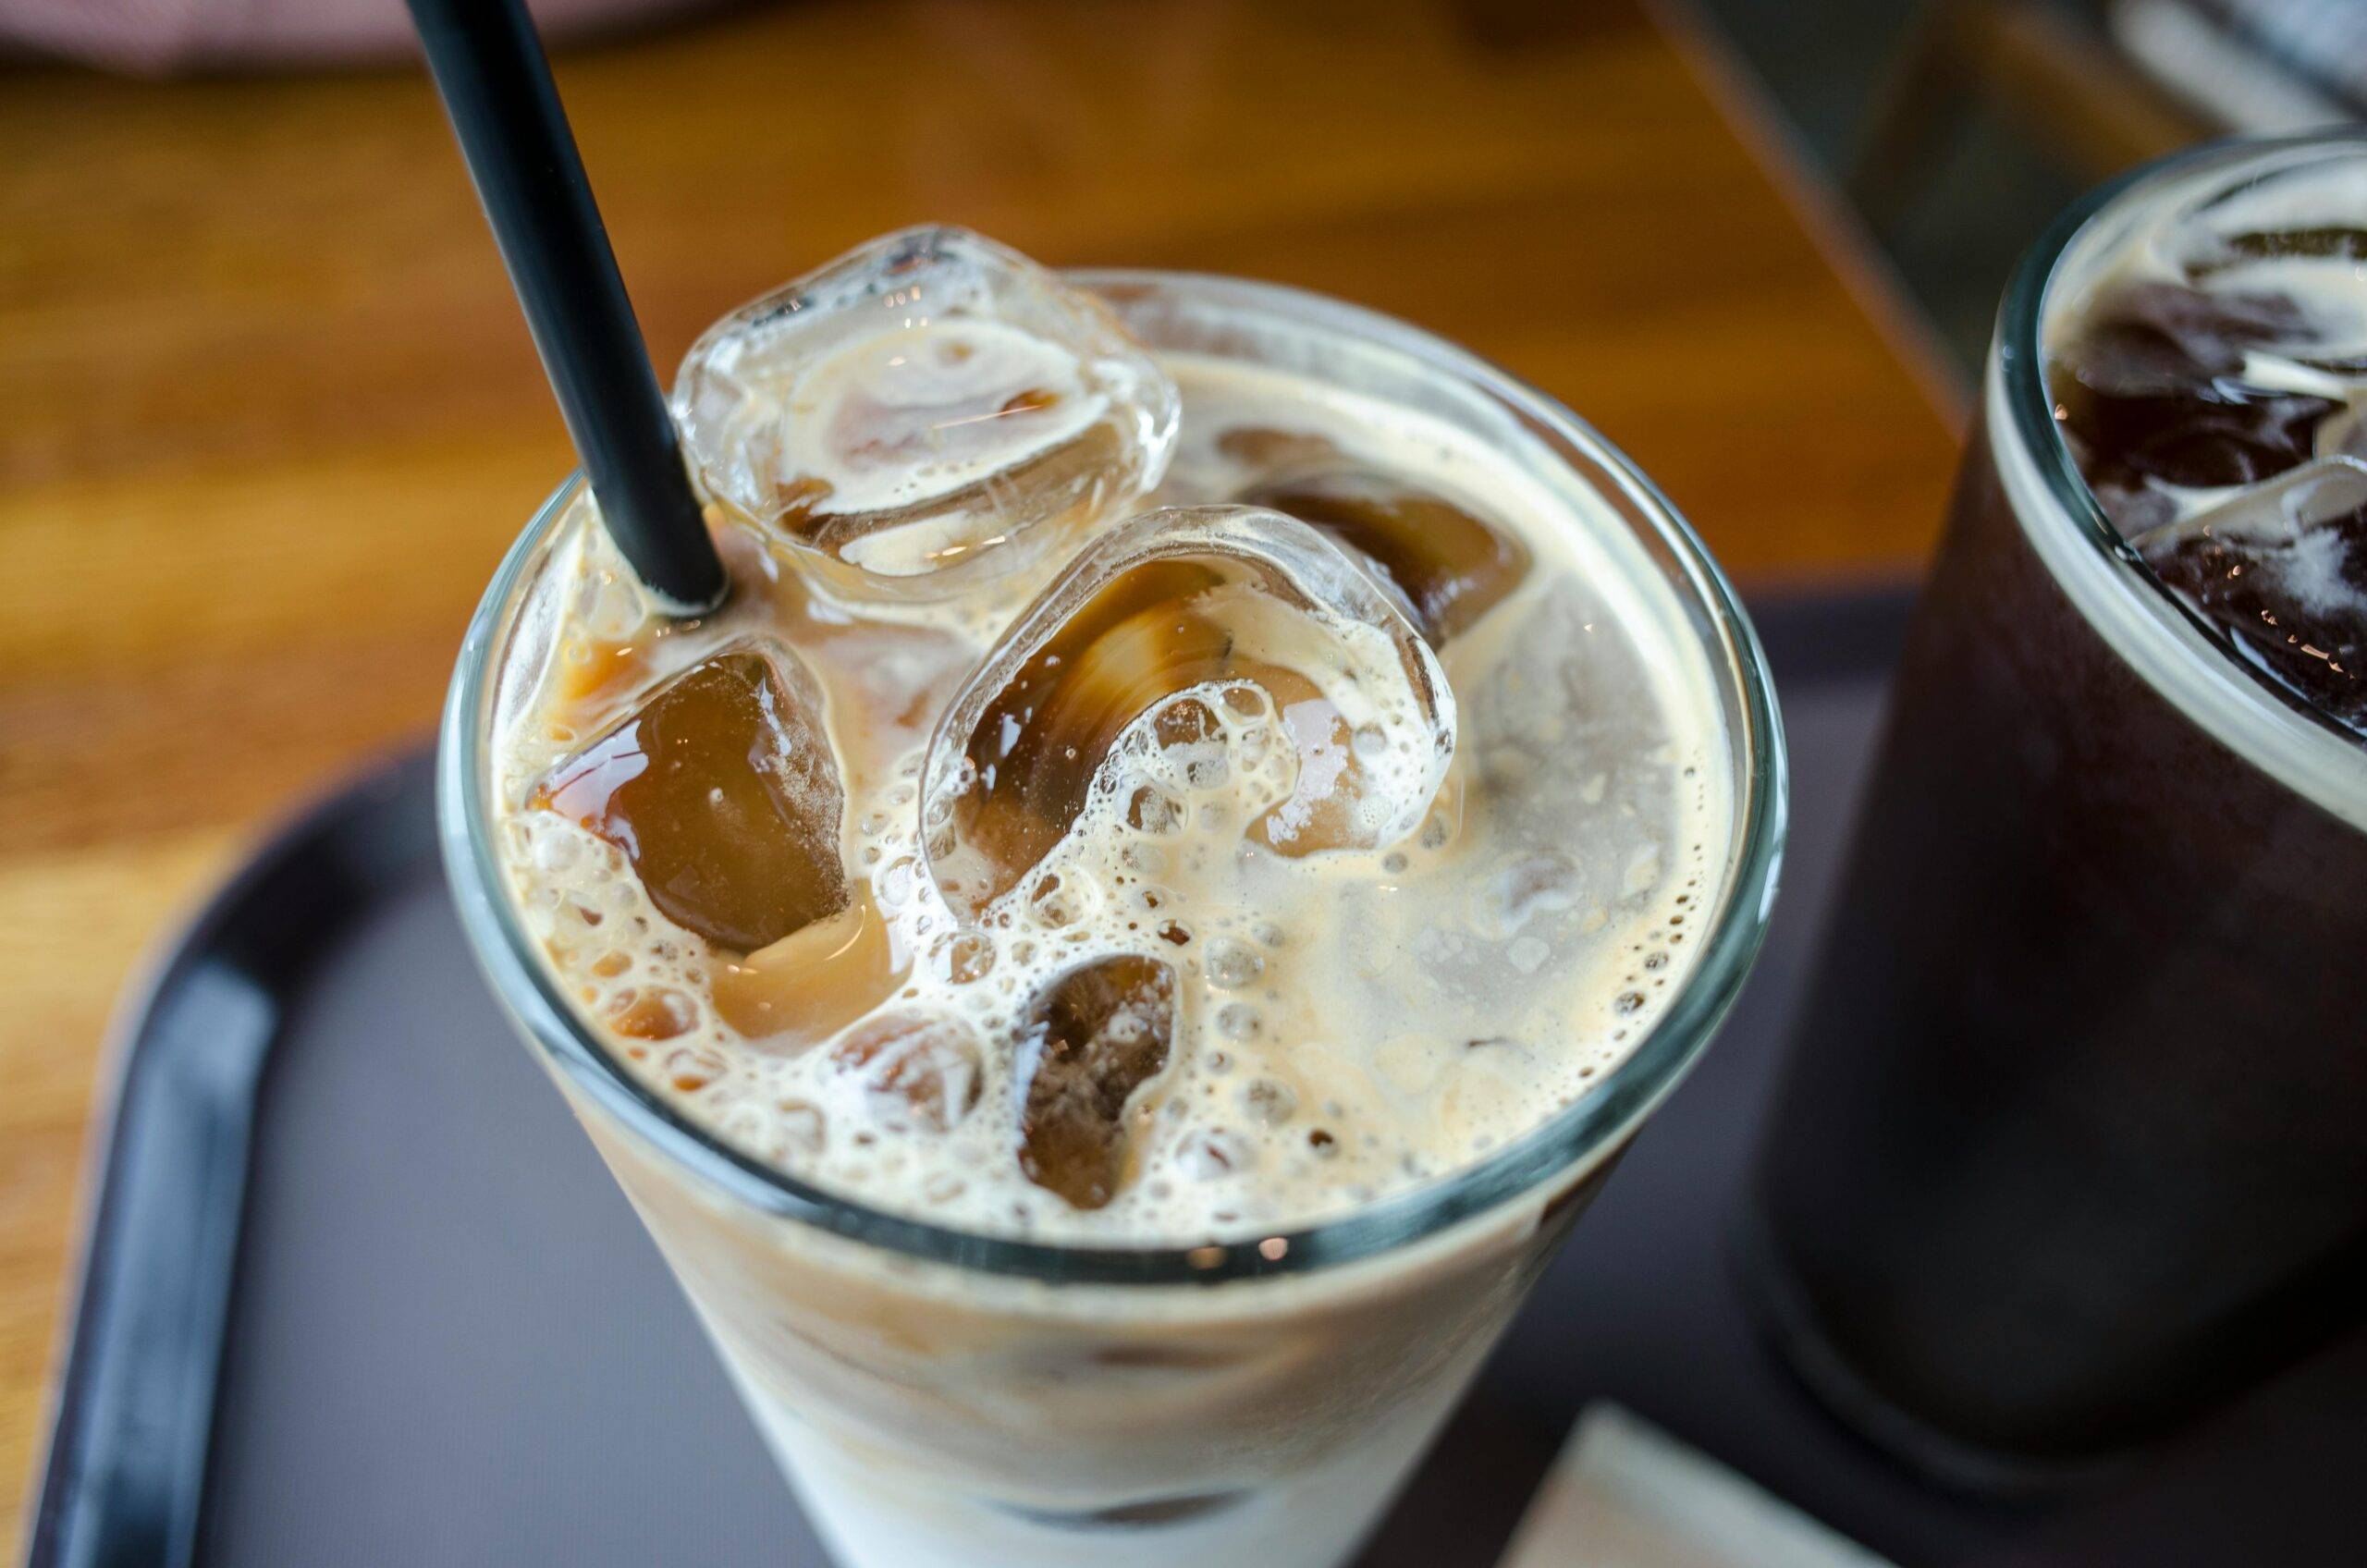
x=2074, y=1140
x=938, y=1398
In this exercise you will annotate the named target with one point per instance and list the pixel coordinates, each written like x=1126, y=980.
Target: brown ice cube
x=1040, y=735
x=2150, y=386
x=1092, y=1039
x=812, y=982
x=1451, y=565
x=1168, y=602
x=2283, y=568
x=722, y=791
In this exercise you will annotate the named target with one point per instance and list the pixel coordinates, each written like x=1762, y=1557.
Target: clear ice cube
x=1090, y=1039
x=918, y=1072
x=722, y=790
x=1192, y=645
x=2283, y=568
x=1451, y=565
x=927, y=411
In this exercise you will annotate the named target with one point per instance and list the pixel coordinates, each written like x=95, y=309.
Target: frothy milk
x=1348, y=1023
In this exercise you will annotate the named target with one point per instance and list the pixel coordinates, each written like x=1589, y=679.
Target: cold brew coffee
x=2070, y=1148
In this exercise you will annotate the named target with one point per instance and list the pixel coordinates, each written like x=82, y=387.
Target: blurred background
x=1958, y=128
x=268, y=416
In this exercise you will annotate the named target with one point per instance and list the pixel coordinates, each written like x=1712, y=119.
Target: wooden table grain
x=268, y=418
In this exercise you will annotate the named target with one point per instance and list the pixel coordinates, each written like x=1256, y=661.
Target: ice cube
x=927, y=411
x=722, y=790
x=1184, y=632
x=2151, y=387
x=2284, y=568
x=918, y=1072
x=813, y=982
x=1451, y=565
x=2156, y=335
x=1091, y=1039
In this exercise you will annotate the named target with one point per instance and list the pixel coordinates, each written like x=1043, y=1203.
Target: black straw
x=497, y=86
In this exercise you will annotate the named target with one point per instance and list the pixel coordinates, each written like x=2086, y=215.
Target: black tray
x=358, y=1291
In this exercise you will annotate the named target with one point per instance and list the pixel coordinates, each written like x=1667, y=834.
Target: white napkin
x=1625, y=1494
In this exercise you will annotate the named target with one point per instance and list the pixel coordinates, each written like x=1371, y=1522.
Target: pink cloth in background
x=156, y=37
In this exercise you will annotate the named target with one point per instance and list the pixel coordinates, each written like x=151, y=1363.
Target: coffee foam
x=2331, y=289
x=1349, y=1026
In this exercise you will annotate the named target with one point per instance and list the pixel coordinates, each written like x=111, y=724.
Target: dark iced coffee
x=2071, y=1146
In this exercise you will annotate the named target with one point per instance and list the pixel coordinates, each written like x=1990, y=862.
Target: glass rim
x=1596, y=1123
x=2021, y=359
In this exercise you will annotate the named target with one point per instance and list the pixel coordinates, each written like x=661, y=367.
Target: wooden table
x=268, y=418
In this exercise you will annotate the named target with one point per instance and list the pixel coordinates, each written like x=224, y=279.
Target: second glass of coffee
x=2071, y=1148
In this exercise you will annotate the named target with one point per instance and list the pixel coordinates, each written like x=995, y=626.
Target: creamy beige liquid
x=1349, y=1024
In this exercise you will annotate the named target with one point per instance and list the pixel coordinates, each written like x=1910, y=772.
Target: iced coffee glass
x=2070, y=1148
x=940, y=1395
